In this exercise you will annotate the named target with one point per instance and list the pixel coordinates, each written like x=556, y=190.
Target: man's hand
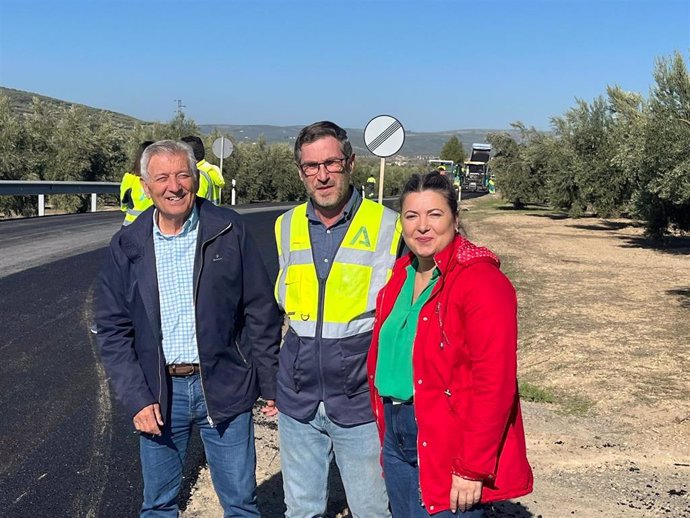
x=270, y=409
x=149, y=420
x=464, y=493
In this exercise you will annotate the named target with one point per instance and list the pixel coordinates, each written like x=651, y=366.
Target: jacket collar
x=136, y=242
x=137, y=238
x=459, y=252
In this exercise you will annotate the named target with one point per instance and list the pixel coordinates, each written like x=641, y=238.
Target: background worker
x=371, y=186
x=335, y=252
x=211, y=180
x=133, y=199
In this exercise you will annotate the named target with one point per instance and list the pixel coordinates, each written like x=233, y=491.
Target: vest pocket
x=288, y=361
x=354, y=366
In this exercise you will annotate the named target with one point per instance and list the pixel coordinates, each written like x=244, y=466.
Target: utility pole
x=179, y=105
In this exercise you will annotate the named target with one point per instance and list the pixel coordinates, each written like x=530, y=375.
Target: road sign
x=384, y=136
x=222, y=147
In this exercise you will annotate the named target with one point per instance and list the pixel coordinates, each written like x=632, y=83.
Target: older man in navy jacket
x=189, y=333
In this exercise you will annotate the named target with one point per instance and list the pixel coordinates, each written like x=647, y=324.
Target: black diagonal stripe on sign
x=395, y=126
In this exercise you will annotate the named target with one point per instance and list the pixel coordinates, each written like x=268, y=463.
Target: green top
x=396, y=339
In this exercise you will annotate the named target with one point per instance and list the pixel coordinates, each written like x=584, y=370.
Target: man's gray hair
x=170, y=147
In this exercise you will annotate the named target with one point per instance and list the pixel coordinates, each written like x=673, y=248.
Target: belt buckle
x=182, y=369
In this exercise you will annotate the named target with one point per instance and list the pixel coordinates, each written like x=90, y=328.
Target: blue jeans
x=306, y=451
x=229, y=450
x=400, y=467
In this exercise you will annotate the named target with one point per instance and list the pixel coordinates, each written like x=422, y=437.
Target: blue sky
x=434, y=64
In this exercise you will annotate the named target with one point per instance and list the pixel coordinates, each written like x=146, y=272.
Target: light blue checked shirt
x=175, y=270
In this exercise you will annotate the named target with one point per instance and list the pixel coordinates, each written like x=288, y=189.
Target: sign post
x=223, y=148
x=384, y=136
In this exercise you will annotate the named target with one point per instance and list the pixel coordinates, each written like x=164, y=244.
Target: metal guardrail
x=33, y=188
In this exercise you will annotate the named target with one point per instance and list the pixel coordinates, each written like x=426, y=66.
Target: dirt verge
x=605, y=336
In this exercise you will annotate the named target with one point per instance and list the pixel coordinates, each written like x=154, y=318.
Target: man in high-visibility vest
x=133, y=199
x=371, y=186
x=335, y=252
x=211, y=180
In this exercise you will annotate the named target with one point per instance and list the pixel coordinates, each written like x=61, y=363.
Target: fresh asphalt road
x=67, y=447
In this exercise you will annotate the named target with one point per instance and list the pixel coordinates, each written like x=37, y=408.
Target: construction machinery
x=476, y=170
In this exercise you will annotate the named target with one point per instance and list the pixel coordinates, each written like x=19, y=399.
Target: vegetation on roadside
x=622, y=154
x=619, y=154
x=568, y=403
x=50, y=141
x=530, y=392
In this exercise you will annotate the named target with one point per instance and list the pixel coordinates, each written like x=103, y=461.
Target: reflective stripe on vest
x=205, y=186
x=361, y=267
x=130, y=216
x=139, y=199
x=212, y=192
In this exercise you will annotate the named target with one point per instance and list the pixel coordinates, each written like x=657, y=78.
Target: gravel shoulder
x=604, y=336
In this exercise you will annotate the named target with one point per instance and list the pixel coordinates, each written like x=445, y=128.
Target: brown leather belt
x=183, y=369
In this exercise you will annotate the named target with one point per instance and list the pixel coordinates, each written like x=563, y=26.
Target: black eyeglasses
x=332, y=165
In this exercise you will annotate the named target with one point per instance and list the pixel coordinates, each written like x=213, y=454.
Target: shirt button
x=431, y=508
x=325, y=260
x=419, y=382
x=328, y=231
x=425, y=319
x=424, y=444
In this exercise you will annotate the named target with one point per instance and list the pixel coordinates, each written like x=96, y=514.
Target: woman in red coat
x=442, y=368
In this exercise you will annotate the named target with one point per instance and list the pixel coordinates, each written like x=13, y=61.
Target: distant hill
x=417, y=144
x=20, y=101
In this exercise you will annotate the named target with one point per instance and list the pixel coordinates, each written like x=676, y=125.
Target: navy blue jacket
x=237, y=319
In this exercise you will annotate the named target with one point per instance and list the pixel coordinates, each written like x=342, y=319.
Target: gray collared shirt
x=325, y=241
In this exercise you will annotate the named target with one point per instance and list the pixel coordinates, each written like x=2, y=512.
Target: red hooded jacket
x=464, y=363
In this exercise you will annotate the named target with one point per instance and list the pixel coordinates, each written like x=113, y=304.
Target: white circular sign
x=222, y=147
x=384, y=136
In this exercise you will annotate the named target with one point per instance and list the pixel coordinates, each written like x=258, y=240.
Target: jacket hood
x=460, y=252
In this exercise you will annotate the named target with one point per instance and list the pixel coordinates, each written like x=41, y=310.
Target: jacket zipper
x=160, y=371
x=196, y=295
x=319, y=333
x=377, y=414
x=239, y=351
x=433, y=293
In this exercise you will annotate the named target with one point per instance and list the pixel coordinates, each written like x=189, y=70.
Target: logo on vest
x=361, y=238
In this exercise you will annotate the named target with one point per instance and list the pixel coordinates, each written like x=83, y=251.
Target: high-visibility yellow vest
x=211, y=181
x=133, y=199
x=361, y=267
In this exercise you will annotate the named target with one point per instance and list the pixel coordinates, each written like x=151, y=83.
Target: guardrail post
x=232, y=193
x=94, y=198
x=41, y=204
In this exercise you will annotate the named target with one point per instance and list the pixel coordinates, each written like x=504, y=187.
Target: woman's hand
x=464, y=493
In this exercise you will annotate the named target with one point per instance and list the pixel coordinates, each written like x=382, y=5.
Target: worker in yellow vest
x=211, y=180
x=335, y=253
x=133, y=199
x=371, y=186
